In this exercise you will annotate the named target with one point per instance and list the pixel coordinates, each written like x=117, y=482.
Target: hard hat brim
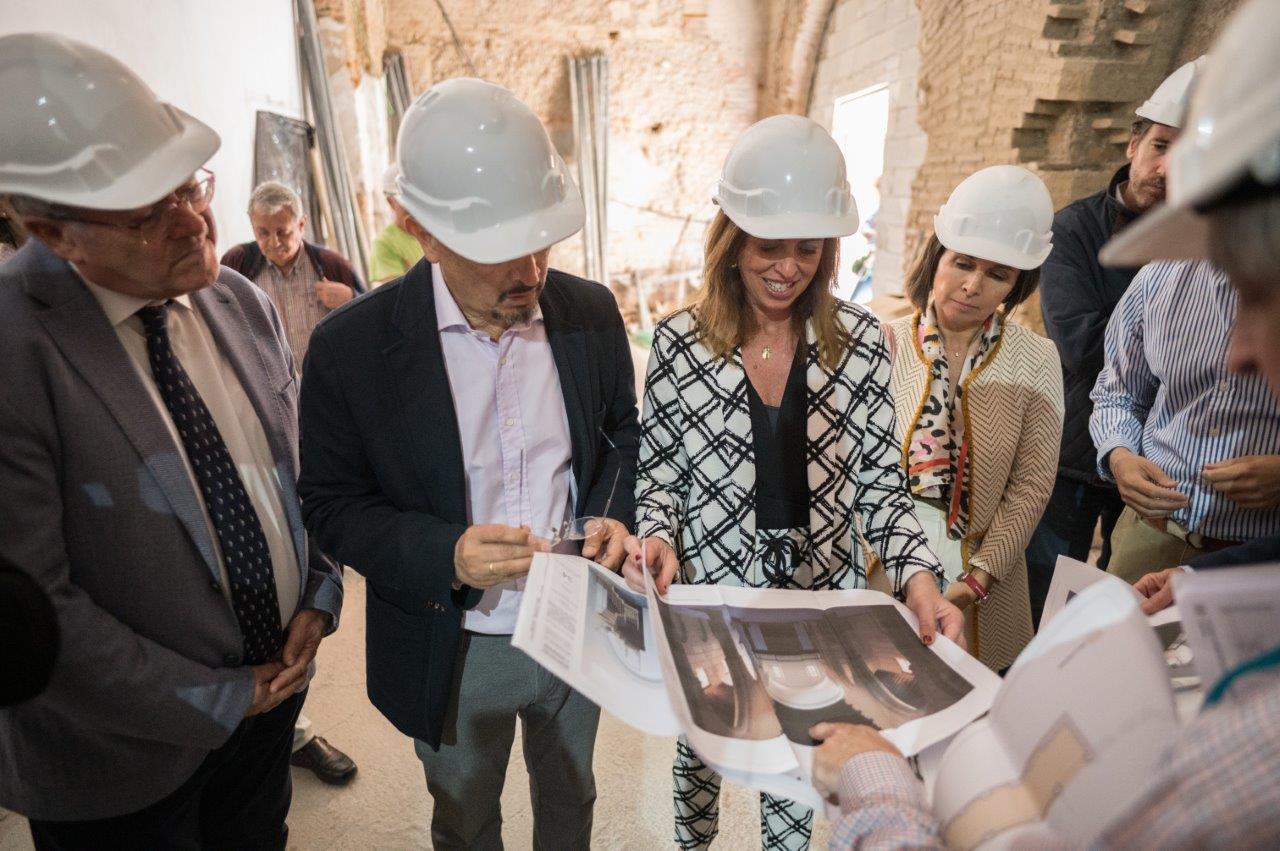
x=517, y=237
x=991, y=250
x=796, y=225
x=1165, y=233
x=152, y=178
x=1166, y=115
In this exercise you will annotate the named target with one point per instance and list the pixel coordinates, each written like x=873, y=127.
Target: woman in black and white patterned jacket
x=768, y=433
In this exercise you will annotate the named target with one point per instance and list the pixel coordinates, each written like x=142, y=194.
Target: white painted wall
x=220, y=61
x=859, y=124
x=870, y=43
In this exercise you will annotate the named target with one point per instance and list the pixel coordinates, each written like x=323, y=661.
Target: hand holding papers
x=1070, y=577
x=744, y=673
x=583, y=624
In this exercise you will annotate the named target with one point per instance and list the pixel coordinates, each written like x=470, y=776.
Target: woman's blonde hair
x=722, y=318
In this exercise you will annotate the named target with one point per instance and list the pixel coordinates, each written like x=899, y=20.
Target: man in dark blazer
x=148, y=433
x=452, y=421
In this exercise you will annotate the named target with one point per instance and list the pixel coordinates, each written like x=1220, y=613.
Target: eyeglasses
x=581, y=528
x=196, y=196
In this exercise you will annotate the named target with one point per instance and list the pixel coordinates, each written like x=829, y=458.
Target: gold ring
x=491, y=570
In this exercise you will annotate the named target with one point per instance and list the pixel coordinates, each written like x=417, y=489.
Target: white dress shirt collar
x=118, y=307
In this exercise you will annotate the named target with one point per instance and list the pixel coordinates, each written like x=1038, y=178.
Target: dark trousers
x=236, y=799
x=496, y=685
x=1066, y=528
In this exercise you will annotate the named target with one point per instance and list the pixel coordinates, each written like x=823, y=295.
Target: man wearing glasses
x=454, y=421
x=146, y=478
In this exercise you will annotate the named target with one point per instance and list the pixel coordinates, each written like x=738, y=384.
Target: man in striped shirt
x=1077, y=297
x=1190, y=445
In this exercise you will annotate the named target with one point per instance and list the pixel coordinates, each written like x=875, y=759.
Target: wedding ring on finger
x=492, y=572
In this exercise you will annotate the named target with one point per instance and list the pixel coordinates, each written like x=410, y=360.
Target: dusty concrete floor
x=387, y=805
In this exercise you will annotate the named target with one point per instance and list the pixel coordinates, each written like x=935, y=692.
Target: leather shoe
x=327, y=762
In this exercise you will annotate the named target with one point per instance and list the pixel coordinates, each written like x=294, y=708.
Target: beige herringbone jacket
x=1013, y=413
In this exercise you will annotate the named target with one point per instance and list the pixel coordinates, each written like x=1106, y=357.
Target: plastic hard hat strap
x=553, y=186
x=997, y=227
x=463, y=215
x=750, y=202
x=839, y=200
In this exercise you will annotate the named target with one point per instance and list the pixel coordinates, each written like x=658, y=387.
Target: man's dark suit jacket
x=382, y=480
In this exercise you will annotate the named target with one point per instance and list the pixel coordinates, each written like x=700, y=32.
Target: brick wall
x=795, y=31
x=1048, y=85
x=683, y=85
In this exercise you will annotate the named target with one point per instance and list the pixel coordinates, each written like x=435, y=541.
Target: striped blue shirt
x=1165, y=393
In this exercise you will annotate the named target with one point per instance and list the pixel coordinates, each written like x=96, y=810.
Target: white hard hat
x=478, y=171
x=1002, y=213
x=785, y=179
x=81, y=129
x=1168, y=103
x=389, y=178
x=1232, y=134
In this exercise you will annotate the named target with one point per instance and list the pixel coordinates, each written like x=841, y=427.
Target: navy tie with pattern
x=240, y=535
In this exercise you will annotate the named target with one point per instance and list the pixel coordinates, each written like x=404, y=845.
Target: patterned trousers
x=784, y=824
x=780, y=561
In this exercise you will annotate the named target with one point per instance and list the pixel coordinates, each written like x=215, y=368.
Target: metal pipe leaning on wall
x=589, y=99
x=348, y=233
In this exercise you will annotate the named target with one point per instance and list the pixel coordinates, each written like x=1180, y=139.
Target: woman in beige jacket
x=979, y=400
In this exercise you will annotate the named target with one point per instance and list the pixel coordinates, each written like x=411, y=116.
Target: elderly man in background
x=149, y=435
x=394, y=251
x=304, y=280
x=1077, y=298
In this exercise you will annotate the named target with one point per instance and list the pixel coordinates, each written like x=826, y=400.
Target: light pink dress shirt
x=515, y=436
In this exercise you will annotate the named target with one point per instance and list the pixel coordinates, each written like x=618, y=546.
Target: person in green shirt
x=394, y=250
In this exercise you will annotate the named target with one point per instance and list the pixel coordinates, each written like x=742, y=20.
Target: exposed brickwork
x=683, y=85
x=1061, y=99
x=364, y=29
x=1051, y=85
x=1205, y=21
x=795, y=31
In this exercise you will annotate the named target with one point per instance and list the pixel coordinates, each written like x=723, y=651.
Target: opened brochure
x=744, y=673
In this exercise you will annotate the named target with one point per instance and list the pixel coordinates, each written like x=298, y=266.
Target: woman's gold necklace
x=955, y=354
x=766, y=351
